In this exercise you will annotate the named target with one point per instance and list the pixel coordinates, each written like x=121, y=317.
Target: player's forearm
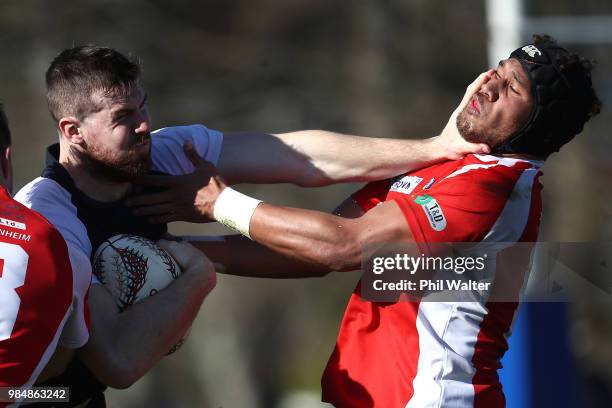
x=313, y=158
x=125, y=345
x=336, y=157
x=162, y=325
x=326, y=241
x=240, y=256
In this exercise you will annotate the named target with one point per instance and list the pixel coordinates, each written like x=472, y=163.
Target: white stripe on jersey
x=448, y=331
x=52, y=201
x=499, y=161
x=447, y=335
x=76, y=333
x=512, y=221
x=489, y=157
x=515, y=212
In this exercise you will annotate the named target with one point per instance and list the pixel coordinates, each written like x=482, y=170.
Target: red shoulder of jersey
x=372, y=194
x=463, y=201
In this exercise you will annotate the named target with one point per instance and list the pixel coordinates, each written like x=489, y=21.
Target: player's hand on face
x=450, y=140
x=184, y=198
x=191, y=260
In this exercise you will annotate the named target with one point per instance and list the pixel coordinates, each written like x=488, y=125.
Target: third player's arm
x=240, y=256
x=326, y=240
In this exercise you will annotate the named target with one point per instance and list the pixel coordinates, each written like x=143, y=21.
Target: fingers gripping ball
x=133, y=268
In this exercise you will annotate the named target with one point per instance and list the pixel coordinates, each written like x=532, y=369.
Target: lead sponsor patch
x=433, y=211
x=405, y=184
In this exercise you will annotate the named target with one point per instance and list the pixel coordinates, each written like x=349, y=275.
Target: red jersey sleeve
x=461, y=208
x=371, y=194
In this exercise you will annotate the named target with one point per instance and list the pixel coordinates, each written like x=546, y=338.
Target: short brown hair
x=78, y=72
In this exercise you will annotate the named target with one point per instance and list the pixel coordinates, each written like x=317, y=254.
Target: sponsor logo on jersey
x=429, y=183
x=13, y=211
x=12, y=224
x=12, y=215
x=15, y=235
x=531, y=50
x=405, y=184
x=433, y=211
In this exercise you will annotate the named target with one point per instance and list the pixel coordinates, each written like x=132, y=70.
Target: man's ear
x=70, y=130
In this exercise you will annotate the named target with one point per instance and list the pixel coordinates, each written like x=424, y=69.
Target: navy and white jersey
x=85, y=223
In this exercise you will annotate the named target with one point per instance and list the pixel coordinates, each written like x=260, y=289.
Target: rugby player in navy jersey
x=106, y=141
x=44, y=282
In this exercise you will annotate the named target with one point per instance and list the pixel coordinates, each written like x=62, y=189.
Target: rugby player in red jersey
x=417, y=353
x=43, y=310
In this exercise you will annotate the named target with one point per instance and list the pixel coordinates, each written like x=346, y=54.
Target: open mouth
x=475, y=105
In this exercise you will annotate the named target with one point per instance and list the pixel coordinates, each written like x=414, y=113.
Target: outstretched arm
x=313, y=158
x=241, y=256
x=307, y=158
x=327, y=241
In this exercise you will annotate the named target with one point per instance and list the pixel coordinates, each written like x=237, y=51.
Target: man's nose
x=144, y=125
x=491, y=89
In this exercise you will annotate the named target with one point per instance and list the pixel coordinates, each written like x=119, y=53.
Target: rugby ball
x=133, y=268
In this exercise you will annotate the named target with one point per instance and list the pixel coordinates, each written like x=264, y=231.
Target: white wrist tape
x=235, y=210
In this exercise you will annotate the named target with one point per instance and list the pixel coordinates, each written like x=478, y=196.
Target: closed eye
x=121, y=115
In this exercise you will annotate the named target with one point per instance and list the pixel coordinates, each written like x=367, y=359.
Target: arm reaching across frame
x=313, y=158
x=256, y=260
x=327, y=242
x=306, y=158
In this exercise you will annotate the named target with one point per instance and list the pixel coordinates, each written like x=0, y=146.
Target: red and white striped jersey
x=438, y=354
x=42, y=299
